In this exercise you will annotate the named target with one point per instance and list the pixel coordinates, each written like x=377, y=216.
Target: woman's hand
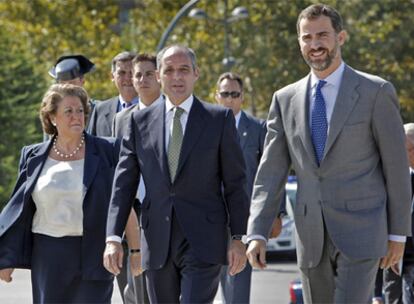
x=135, y=263
x=6, y=274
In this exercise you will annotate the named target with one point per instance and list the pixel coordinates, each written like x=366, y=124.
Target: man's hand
x=6, y=274
x=237, y=257
x=113, y=256
x=135, y=263
x=394, y=254
x=256, y=253
x=276, y=228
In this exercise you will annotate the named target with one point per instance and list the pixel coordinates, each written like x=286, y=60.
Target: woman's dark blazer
x=101, y=157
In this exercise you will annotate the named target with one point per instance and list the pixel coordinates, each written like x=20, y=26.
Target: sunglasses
x=233, y=94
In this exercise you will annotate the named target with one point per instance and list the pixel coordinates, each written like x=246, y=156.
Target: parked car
x=295, y=291
x=286, y=242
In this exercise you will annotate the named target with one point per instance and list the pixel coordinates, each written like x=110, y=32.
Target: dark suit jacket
x=252, y=133
x=16, y=218
x=100, y=123
x=210, y=157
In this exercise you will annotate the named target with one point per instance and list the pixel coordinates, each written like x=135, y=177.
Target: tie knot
x=321, y=83
x=178, y=112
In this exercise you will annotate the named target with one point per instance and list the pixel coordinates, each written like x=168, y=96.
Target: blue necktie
x=319, y=122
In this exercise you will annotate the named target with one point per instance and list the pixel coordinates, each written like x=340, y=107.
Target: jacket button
x=167, y=218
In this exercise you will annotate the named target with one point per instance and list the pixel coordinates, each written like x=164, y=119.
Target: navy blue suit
x=16, y=238
x=210, y=157
x=252, y=133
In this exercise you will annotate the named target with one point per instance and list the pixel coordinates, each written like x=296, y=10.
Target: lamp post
x=238, y=13
x=173, y=22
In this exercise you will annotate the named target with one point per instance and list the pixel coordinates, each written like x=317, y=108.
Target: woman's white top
x=58, y=198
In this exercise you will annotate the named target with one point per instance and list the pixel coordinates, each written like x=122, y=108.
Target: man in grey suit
x=149, y=91
x=341, y=131
x=101, y=120
x=252, y=132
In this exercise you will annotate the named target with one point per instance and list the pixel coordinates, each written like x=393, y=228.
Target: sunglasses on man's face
x=233, y=94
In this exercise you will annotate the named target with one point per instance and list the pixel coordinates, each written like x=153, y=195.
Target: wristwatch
x=239, y=237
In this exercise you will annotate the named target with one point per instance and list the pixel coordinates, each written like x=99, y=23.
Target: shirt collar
x=185, y=105
x=333, y=79
x=237, y=118
x=142, y=106
x=122, y=101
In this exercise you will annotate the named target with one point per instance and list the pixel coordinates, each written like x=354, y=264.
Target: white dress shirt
x=169, y=115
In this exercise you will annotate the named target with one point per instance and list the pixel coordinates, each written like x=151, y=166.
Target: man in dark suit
x=100, y=123
x=341, y=131
x=188, y=154
x=149, y=91
x=399, y=283
x=252, y=132
x=102, y=117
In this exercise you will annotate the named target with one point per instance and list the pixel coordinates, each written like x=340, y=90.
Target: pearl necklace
x=64, y=155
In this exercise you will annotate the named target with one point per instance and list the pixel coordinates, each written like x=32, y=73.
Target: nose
x=315, y=44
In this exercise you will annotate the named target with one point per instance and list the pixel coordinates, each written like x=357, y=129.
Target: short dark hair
x=316, y=10
x=184, y=49
x=145, y=57
x=122, y=57
x=53, y=97
x=230, y=76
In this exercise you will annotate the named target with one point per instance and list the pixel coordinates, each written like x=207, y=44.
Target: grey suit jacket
x=360, y=191
x=252, y=132
x=120, y=121
x=100, y=123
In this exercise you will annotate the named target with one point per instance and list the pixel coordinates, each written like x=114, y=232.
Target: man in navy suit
x=104, y=112
x=252, y=132
x=188, y=154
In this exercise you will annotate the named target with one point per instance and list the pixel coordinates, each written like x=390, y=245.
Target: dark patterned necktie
x=319, y=123
x=176, y=140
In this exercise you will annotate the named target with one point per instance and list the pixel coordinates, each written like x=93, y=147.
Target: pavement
x=270, y=285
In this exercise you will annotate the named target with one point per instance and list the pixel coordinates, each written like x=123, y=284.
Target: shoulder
x=106, y=103
x=212, y=109
x=291, y=89
x=369, y=80
x=105, y=143
x=253, y=120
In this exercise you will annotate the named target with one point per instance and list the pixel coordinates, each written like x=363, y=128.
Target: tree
x=19, y=102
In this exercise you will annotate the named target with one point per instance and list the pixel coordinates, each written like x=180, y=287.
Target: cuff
x=113, y=238
x=397, y=238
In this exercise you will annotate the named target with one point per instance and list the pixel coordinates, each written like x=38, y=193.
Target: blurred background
x=256, y=39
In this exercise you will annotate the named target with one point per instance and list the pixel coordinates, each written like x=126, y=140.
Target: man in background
x=72, y=69
x=149, y=91
x=399, y=283
x=121, y=72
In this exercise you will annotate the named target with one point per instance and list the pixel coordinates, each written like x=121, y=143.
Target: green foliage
x=20, y=95
x=36, y=32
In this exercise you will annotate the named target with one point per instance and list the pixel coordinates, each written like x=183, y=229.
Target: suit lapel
x=35, y=164
x=301, y=107
x=345, y=102
x=91, y=162
x=243, y=129
x=156, y=133
x=193, y=131
x=111, y=111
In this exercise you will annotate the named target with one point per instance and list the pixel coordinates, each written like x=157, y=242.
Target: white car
x=286, y=242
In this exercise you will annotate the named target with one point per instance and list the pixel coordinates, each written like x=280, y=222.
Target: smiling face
x=177, y=75
x=122, y=78
x=320, y=45
x=69, y=117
